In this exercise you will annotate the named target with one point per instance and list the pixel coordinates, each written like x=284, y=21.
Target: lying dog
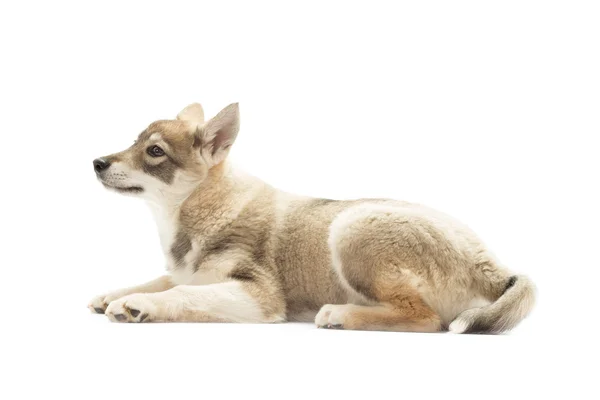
x=238, y=250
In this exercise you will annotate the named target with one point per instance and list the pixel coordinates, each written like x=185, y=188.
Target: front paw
x=99, y=304
x=133, y=308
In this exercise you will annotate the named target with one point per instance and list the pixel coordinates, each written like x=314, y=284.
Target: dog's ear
x=193, y=113
x=219, y=133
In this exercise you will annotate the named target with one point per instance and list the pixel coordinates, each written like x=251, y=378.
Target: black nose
x=100, y=164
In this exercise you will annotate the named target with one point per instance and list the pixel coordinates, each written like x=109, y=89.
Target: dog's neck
x=202, y=206
x=168, y=203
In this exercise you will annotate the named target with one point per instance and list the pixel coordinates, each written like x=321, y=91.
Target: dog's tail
x=514, y=304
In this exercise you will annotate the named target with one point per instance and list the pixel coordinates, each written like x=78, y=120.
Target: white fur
x=226, y=301
x=155, y=137
x=156, y=285
x=459, y=325
x=214, y=270
x=333, y=314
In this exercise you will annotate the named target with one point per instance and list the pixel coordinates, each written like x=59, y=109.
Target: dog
x=238, y=250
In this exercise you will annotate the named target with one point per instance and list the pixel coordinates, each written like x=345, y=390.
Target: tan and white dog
x=238, y=250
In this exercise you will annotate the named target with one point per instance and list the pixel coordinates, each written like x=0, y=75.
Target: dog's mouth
x=124, y=189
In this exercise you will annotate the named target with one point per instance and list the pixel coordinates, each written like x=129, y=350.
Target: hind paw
x=333, y=316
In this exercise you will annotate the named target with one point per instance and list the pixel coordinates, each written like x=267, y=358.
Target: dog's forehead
x=177, y=132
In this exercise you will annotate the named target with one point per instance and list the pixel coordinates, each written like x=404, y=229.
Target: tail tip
x=459, y=325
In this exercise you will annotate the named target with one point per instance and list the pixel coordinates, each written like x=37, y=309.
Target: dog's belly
x=303, y=257
x=302, y=316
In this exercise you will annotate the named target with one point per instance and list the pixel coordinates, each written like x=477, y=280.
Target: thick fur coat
x=238, y=250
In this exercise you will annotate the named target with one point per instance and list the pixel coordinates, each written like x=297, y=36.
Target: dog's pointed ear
x=193, y=113
x=219, y=133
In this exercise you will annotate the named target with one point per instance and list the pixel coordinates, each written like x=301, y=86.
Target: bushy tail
x=502, y=315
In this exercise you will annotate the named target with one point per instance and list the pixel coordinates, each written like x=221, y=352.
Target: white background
x=485, y=110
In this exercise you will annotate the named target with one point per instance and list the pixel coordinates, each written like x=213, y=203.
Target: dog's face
x=171, y=157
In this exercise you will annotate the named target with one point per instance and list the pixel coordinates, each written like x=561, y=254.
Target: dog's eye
x=156, y=151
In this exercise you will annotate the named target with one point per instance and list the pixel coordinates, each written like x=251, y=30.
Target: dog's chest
x=186, y=257
x=197, y=267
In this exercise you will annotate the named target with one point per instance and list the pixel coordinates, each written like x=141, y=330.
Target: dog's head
x=171, y=156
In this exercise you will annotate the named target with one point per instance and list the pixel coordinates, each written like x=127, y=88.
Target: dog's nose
x=100, y=164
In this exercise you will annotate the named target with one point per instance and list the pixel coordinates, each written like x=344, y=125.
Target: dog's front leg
x=99, y=303
x=232, y=301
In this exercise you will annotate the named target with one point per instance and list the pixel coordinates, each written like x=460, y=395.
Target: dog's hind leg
x=408, y=314
x=378, y=255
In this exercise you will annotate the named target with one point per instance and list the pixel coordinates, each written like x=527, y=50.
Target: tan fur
x=242, y=251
